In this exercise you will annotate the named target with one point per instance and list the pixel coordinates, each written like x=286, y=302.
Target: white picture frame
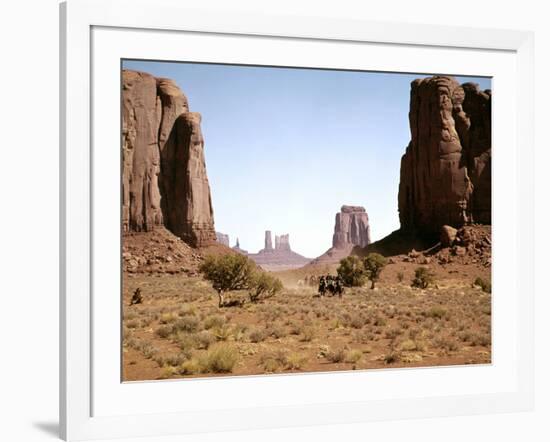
x=92, y=404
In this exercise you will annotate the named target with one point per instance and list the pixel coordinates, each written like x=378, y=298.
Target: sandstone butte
x=446, y=169
x=351, y=229
x=164, y=180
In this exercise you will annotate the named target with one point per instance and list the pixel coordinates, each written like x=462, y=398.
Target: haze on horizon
x=286, y=148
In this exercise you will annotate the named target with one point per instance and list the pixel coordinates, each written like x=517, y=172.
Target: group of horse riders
x=326, y=283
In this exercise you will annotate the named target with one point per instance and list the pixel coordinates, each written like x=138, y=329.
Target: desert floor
x=179, y=331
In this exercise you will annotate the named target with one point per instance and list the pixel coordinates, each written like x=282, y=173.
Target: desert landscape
x=194, y=305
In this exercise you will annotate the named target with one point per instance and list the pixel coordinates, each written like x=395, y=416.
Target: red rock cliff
x=446, y=169
x=164, y=180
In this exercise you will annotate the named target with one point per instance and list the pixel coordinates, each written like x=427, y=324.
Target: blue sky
x=286, y=148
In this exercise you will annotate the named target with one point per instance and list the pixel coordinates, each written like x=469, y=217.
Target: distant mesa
x=351, y=229
x=279, y=258
x=222, y=238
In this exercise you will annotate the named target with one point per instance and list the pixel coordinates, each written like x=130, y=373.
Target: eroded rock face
x=268, y=244
x=446, y=169
x=351, y=228
x=282, y=242
x=223, y=238
x=141, y=114
x=164, y=180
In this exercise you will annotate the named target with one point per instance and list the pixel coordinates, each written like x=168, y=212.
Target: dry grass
x=179, y=330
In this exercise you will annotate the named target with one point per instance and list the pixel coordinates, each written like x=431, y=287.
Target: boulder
x=448, y=236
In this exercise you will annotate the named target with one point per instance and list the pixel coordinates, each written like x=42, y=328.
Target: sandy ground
x=179, y=331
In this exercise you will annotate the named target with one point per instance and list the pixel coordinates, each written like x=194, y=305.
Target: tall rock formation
x=223, y=238
x=164, y=180
x=268, y=245
x=446, y=169
x=351, y=228
x=237, y=248
x=282, y=242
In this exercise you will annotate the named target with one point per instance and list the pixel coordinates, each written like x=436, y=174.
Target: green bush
x=374, y=263
x=228, y=273
x=423, y=277
x=236, y=272
x=263, y=286
x=352, y=271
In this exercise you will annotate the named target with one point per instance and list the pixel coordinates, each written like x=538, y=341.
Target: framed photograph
x=296, y=219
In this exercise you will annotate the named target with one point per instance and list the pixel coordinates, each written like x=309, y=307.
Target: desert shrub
x=187, y=324
x=187, y=310
x=308, y=333
x=379, y=321
x=204, y=339
x=192, y=366
x=392, y=357
x=187, y=341
x=363, y=337
x=264, y=286
x=393, y=333
x=257, y=335
x=168, y=318
x=373, y=264
x=295, y=328
x=408, y=345
x=484, y=284
x=167, y=372
x=222, y=333
x=446, y=343
x=171, y=360
x=133, y=323
x=277, y=331
x=436, y=312
x=475, y=339
x=213, y=321
x=228, y=273
x=336, y=356
x=352, y=271
x=164, y=331
x=423, y=277
x=274, y=361
x=353, y=356
x=295, y=361
x=148, y=350
x=220, y=358
x=239, y=331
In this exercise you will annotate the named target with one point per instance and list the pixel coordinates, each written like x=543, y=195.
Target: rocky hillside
x=164, y=180
x=446, y=169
